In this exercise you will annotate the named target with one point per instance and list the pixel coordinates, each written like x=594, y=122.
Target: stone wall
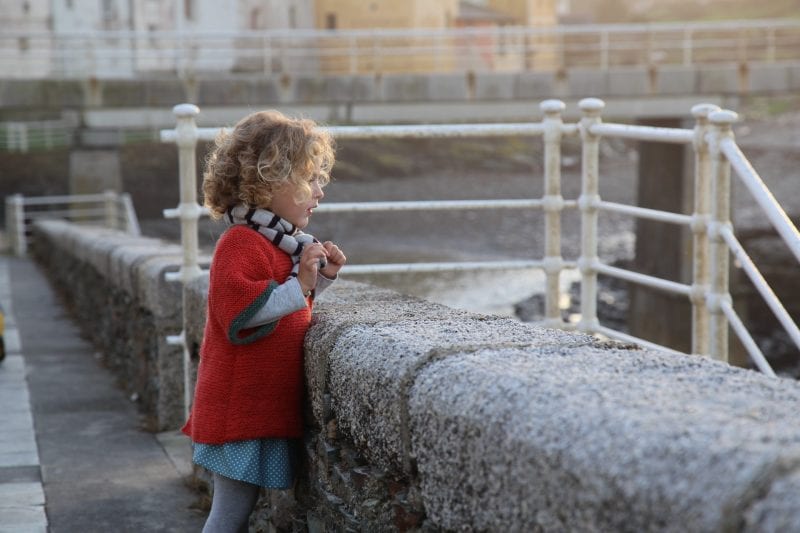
x=424, y=418
x=114, y=285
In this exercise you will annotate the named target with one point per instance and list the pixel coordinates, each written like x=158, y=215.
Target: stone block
x=372, y=366
x=582, y=438
x=628, y=82
x=405, y=87
x=585, y=83
x=535, y=85
x=242, y=91
x=61, y=94
x=346, y=304
x=163, y=298
x=195, y=310
x=769, y=79
x=364, y=88
x=165, y=92
x=448, y=87
x=125, y=93
x=314, y=89
x=718, y=80
x=124, y=260
x=42, y=94
x=494, y=86
x=675, y=80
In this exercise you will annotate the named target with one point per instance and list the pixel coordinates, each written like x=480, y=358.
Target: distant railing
x=108, y=209
x=129, y=54
x=17, y=136
x=715, y=151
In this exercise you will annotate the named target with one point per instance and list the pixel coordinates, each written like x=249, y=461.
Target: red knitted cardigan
x=250, y=381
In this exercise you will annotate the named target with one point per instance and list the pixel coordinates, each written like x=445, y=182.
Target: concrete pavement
x=21, y=494
x=74, y=456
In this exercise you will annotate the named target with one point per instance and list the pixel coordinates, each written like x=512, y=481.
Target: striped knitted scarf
x=277, y=230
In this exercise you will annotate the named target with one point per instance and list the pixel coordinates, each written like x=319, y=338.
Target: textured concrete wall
x=425, y=418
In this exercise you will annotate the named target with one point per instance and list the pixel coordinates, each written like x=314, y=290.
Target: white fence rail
x=126, y=54
x=713, y=239
x=108, y=209
x=16, y=136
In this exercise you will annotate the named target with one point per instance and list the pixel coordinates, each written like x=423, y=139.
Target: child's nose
x=317, y=191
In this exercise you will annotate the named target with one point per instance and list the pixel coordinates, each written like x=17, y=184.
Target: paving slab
x=21, y=495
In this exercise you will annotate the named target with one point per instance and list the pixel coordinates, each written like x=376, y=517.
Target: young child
x=265, y=178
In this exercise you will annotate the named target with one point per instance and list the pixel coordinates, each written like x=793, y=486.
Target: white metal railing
x=128, y=53
x=109, y=209
x=713, y=238
x=16, y=136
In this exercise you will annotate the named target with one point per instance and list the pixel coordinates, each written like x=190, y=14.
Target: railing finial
x=592, y=106
x=186, y=110
x=552, y=106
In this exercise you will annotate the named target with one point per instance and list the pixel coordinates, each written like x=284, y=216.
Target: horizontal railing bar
x=64, y=199
x=643, y=279
x=618, y=335
x=409, y=131
x=643, y=212
x=437, y=130
x=67, y=213
x=761, y=284
x=296, y=34
x=643, y=133
x=747, y=340
x=416, y=205
x=403, y=268
x=777, y=216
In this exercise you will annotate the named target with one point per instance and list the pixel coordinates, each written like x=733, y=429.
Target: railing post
x=188, y=211
x=587, y=203
x=353, y=55
x=131, y=222
x=700, y=219
x=111, y=209
x=770, y=45
x=687, y=47
x=604, y=50
x=722, y=122
x=553, y=204
x=15, y=224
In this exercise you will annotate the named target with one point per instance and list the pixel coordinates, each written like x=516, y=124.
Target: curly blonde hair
x=265, y=151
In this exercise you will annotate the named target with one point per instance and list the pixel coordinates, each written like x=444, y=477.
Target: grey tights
x=231, y=506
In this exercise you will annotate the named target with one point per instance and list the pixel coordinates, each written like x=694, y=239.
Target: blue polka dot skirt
x=269, y=463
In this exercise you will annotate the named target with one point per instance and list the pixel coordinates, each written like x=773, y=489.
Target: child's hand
x=335, y=260
x=309, y=265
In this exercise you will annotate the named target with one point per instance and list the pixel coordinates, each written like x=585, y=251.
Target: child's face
x=285, y=205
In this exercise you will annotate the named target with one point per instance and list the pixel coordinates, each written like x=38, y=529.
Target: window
x=188, y=9
x=330, y=21
x=292, y=17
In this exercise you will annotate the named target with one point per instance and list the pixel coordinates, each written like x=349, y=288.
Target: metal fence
x=129, y=54
x=716, y=153
x=109, y=209
x=18, y=136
